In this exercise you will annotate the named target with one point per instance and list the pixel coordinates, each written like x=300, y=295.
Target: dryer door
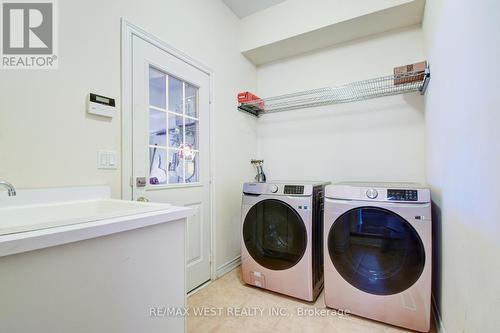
x=376, y=250
x=274, y=234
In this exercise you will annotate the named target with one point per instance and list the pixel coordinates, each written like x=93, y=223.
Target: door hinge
x=131, y=181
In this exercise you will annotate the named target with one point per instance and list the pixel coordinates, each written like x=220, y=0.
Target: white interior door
x=171, y=144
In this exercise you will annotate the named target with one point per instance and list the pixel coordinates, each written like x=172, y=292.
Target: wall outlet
x=107, y=159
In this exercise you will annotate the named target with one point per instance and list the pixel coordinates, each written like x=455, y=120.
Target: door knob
x=142, y=199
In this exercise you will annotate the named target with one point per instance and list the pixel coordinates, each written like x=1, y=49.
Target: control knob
x=273, y=188
x=371, y=193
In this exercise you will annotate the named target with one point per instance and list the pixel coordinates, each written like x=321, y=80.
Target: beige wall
x=375, y=140
x=463, y=160
x=47, y=139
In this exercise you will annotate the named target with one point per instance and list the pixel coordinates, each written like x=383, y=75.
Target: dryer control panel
x=410, y=193
x=293, y=189
x=402, y=195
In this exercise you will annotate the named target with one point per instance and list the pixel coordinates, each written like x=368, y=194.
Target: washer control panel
x=293, y=189
x=282, y=188
x=402, y=195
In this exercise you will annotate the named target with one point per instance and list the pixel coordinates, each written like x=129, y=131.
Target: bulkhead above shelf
x=352, y=92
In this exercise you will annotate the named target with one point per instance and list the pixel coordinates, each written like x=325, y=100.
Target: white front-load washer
x=282, y=237
x=378, y=252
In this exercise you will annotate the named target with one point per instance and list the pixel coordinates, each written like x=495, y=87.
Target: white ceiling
x=244, y=8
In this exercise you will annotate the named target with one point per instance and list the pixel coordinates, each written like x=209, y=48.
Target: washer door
x=376, y=250
x=274, y=234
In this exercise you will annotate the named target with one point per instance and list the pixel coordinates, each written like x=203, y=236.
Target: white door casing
x=188, y=184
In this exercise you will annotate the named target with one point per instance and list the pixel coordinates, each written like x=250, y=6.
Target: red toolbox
x=250, y=102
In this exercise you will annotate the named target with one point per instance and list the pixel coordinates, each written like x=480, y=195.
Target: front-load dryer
x=378, y=252
x=282, y=237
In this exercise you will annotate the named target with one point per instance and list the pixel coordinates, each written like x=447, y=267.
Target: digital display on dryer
x=294, y=189
x=402, y=195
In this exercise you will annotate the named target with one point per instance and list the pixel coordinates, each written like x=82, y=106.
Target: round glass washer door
x=274, y=234
x=376, y=250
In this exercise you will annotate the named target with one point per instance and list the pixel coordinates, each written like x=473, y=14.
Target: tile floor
x=230, y=293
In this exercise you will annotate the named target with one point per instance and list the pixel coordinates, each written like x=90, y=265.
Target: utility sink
x=35, y=217
x=69, y=254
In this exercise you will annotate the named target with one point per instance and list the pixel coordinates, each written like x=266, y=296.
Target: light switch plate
x=107, y=159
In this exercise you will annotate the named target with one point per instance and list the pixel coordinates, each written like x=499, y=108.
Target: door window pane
x=175, y=94
x=192, y=169
x=175, y=130
x=157, y=166
x=175, y=167
x=192, y=133
x=191, y=104
x=157, y=88
x=157, y=128
x=376, y=250
x=274, y=234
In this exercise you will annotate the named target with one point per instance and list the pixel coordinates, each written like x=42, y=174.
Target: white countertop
x=27, y=227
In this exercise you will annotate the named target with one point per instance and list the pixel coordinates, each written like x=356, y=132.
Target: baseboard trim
x=195, y=290
x=228, y=266
x=437, y=317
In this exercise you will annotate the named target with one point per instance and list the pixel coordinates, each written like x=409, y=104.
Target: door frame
x=128, y=31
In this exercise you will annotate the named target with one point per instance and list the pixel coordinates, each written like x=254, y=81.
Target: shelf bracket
x=427, y=77
x=249, y=109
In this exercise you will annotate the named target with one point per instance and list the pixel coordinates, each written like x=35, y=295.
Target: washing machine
x=282, y=237
x=378, y=252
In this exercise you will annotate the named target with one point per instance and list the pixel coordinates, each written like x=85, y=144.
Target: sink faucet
x=11, y=190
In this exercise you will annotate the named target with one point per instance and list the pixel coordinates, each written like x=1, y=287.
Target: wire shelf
x=352, y=92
